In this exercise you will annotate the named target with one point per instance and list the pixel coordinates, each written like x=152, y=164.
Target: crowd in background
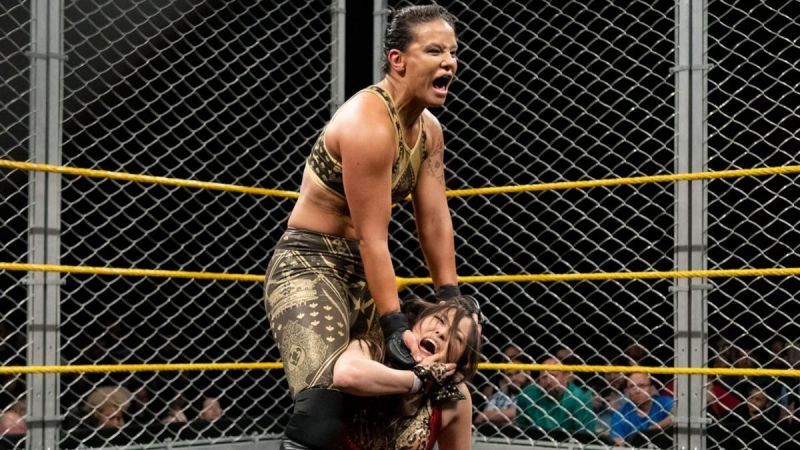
x=637, y=408
x=94, y=403
x=113, y=406
x=613, y=408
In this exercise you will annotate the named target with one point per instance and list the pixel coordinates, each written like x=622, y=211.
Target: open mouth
x=441, y=83
x=429, y=345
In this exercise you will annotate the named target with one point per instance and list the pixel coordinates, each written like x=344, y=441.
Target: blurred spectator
x=758, y=406
x=643, y=410
x=786, y=389
x=609, y=395
x=564, y=354
x=778, y=353
x=789, y=401
x=509, y=352
x=568, y=357
x=640, y=350
x=754, y=423
x=719, y=399
x=210, y=409
x=555, y=402
x=12, y=420
x=501, y=408
x=637, y=354
x=738, y=357
x=12, y=353
x=106, y=407
x=141, y=406
x=176, y=411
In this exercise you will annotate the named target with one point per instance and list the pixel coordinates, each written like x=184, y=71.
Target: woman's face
x=756, y=401
x=434, y=336
x=430, y=61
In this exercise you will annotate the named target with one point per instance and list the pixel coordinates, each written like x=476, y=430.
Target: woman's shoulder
x=361, y=119
x=433, y=130
x=363, y=103
x=430, y=118
x=432, y=124
x=362, y=108
x=452, y=410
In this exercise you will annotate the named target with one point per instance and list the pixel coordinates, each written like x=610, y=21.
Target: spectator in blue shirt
x=644, y=410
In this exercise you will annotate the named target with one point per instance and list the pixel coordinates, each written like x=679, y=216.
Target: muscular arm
x=366, y=146
x=356, y=373
x=434, y=224
x=457, y=424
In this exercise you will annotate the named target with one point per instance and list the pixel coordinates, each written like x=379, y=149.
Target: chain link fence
x=230, y=92
x=753, y=122
x=234, y=92
x=560, y=92
x=15, y=68
x=585, y=90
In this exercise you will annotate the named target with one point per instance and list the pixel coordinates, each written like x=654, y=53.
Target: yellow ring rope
x=403, y=282
x=108, y=368
x=482, y=366
x=781, y=170
x=130, y=272
x=93, y=173
x=527, y=278
x=640, y=369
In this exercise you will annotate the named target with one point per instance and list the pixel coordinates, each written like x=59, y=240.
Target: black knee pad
x=318, y=419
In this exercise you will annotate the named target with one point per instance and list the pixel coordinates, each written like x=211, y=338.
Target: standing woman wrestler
x=331, y=273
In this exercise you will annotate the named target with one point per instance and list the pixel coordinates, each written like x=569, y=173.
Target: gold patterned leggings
x=316, y=295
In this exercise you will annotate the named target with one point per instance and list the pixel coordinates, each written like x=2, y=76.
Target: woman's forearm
x=380, y=275
x=366, y=377
x=437, y=242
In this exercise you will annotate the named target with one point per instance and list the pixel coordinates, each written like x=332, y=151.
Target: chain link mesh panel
x=560, y=92
x=230, y=92
x=752, y=117
x=15, y=63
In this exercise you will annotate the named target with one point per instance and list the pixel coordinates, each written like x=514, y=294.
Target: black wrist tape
x=393, y=322
x=447, y=291
x=397, y=354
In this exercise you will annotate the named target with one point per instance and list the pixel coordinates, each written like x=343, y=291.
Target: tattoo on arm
x=435, y=164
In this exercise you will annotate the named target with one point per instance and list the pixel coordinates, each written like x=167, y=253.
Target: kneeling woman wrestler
x=413, y=409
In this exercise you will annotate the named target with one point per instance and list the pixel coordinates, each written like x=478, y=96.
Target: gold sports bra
x=327, y=171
